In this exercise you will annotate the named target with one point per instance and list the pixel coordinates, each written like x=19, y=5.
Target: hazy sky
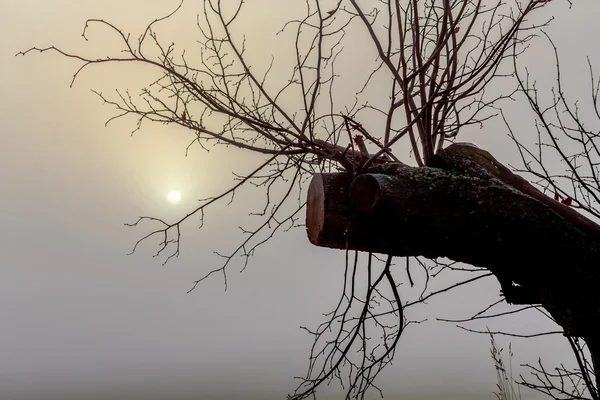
x=82, y=320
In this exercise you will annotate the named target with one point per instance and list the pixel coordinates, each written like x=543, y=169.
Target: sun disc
x=174, y=197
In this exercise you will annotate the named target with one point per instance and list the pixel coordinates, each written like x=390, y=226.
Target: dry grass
x=507, y=387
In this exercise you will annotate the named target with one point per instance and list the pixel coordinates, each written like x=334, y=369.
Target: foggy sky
x=82, y=320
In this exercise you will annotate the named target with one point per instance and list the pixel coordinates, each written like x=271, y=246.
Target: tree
x=435, y=59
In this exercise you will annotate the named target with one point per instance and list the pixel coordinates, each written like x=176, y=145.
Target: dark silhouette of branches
x=331, y=353
x=562, y=382
x=438, y=55
x=563, y=161
x=436, y=59
x=563, y=134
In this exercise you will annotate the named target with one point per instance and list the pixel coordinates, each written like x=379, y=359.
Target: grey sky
x=81, y=320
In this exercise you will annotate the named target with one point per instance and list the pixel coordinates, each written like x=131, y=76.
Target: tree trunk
x=469, y=208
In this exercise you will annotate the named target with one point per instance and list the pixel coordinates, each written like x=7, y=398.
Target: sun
x=174, y=197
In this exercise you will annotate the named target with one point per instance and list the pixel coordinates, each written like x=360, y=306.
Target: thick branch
x=464, y=212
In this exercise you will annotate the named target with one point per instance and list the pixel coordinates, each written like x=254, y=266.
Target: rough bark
x=468, y=207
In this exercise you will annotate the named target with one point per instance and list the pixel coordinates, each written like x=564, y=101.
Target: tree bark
x=468, y=207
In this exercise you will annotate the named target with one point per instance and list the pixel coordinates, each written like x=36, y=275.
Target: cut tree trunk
x=468, y=207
